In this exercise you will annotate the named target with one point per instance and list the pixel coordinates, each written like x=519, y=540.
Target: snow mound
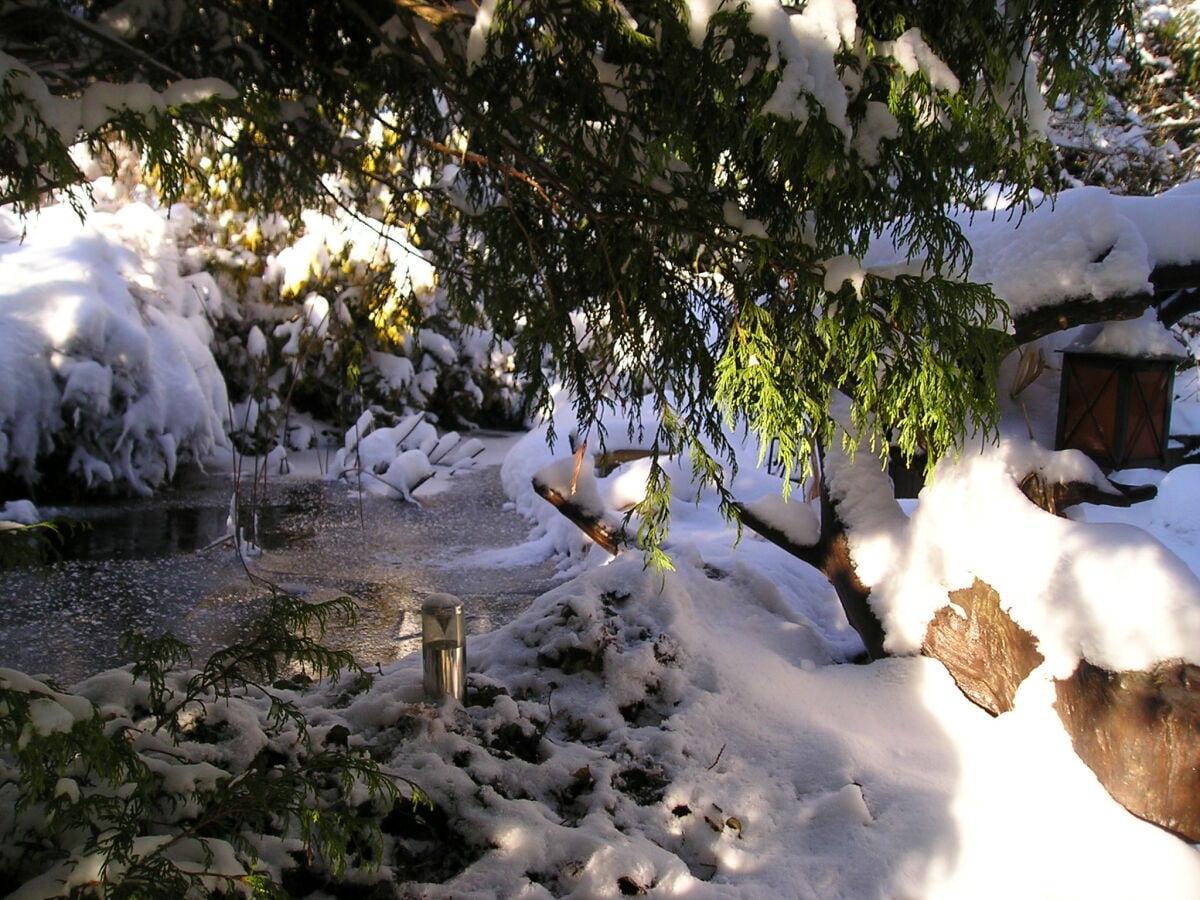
x=683, y=734
x=104, y=351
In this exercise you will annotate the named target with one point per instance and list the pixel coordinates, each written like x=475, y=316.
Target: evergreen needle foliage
x=159, y=795
x=31, y=545
x=650, y=199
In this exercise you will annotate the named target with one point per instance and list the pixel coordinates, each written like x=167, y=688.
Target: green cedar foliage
x=622, y=194
x=155, y=794
x=29, y=546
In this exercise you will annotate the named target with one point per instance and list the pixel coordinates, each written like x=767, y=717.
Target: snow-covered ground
x=692, y=734
x=726, y=755
x=696, y=733
x=695, y=742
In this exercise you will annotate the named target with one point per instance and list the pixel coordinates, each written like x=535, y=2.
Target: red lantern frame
x=1116, y=409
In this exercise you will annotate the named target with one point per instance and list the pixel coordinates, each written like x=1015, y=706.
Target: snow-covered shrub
x=395, y=460
x=338, y=314
x=105, y=370
x=141, y=784
x=1144, y=136
x=142, y=335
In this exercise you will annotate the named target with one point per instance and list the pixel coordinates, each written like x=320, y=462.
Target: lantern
x=1116, y=407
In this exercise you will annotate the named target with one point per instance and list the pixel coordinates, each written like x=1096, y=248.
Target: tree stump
x=1140, y=733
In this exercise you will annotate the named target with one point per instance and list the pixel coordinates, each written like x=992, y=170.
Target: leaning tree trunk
x=1139, y=732
x=831, y=555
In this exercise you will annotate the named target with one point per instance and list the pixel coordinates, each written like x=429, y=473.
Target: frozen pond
x=144, y=566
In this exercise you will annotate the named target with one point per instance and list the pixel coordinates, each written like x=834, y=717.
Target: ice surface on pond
x=319, y=540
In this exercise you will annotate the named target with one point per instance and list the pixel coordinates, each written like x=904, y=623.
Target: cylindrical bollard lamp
x=444, y=647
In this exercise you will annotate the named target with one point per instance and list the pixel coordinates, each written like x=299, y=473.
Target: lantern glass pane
x=1090, y=419
x=1147, y=414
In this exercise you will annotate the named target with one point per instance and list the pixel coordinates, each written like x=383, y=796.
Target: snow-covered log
x=1140, y=733
x=1105, y=612
x=1174, y=295
x=586, y=517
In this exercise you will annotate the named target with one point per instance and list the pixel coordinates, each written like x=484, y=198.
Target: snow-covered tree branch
x=670, y=200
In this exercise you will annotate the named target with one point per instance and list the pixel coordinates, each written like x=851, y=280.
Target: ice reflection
x=141, y=567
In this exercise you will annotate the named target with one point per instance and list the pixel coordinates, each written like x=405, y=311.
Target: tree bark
x=987, y=654
x=1054, y=497
x=1140, y=733
x=1044, y=320
x=610, y=538
x=831, y=556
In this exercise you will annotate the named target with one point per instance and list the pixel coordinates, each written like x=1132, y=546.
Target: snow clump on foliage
x=104, y=350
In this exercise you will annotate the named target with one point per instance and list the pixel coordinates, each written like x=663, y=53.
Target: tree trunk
x=831, y=555
x=1140, y=733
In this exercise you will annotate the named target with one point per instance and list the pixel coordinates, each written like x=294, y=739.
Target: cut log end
x=987, y=654
x=1140, y=733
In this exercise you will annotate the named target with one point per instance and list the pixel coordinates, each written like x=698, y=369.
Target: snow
x=798, y=521
x=841, y=269
x=779, y=775
x=99, y=102
x=22, y=512
x=1083, y=243
x=804, y=43
x=477, y=38
x=696, y=732
x=396, y=460
x=1073, y=587
x=256, y=343
x=105, y=345
x=914, y=55
x=1144, y=337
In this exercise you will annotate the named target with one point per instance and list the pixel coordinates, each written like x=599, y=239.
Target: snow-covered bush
x=138, y=335
x=395, y=460
x=105, y=370
x=348, y=315
x=1144, y=136
x=141, y=784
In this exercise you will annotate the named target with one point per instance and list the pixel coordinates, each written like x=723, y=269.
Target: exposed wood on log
x=838, y=567
x=1060, y=495
x=987, y=654
x=1140, y=733
x=610, y=538
x=434, y=15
